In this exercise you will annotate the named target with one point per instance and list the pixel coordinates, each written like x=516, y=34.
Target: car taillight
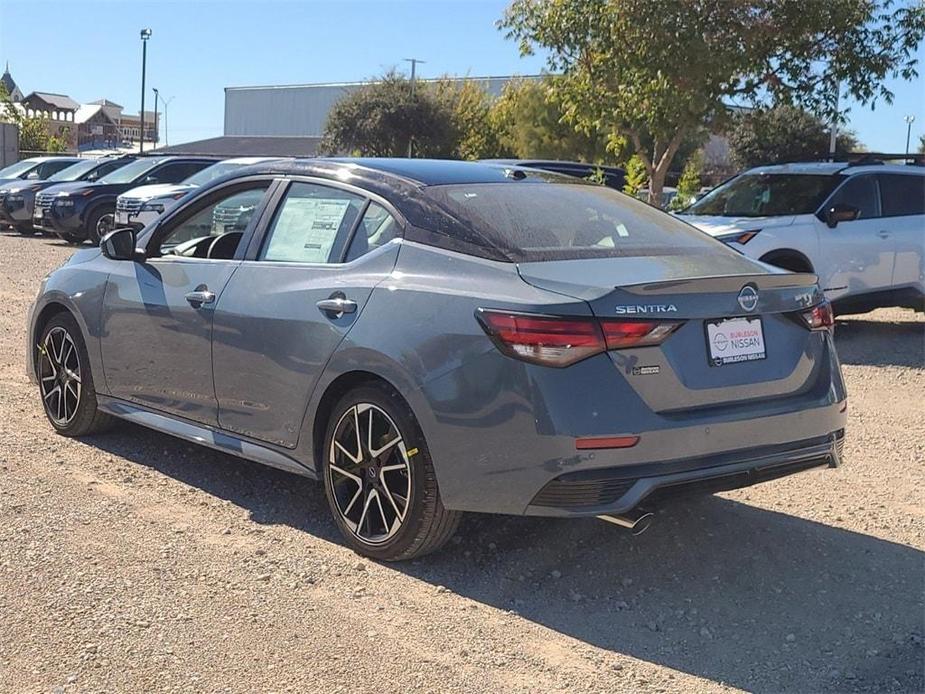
x=562, y=341
x=636, y=333
x=819, y=317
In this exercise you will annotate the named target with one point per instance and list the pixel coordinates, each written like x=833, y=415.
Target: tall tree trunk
x=662, y=162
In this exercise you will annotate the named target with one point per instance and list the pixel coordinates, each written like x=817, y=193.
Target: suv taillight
x=561, y=341
x=819, y=317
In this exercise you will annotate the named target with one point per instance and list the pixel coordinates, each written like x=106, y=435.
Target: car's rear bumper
x=614, y=491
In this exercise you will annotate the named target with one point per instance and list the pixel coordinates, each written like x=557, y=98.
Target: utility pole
x=909, y=120
x=154, y=89
x=145, y=35
x=414, y=62
x=166, y=103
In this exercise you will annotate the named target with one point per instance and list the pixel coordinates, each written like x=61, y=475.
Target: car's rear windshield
x=75, y=171
x=551, y=221
x=130, y=172
x=766, y=195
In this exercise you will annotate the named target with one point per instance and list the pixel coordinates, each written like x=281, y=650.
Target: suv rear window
x=550, y=221
x=766, y=195
x=902, y=194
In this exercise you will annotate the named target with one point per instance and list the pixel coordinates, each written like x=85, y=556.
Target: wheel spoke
x=56, y=389
x=355, y=459
x=385, y=523
x=346, y=474
x=366, y=502
x=390, y=468
x=388, y=494
x=353, y=500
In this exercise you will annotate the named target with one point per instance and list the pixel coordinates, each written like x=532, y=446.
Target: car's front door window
x=860, y=192
x=214, y=230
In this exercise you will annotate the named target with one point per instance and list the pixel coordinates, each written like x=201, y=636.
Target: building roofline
x=360, y=83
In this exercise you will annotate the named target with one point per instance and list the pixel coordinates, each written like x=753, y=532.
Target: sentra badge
x=647, y=309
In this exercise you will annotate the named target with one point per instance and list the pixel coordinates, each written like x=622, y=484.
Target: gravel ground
x=136, y=562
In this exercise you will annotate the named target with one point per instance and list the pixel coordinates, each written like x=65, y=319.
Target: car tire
x=62, y=364
x=384, y=496
x=25, y=231
x=99, y=223
x=71, y=240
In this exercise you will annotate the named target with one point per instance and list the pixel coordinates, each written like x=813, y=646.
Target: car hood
x=16, y=185
x=81, y=188
x=158, y=190
x=717, y=226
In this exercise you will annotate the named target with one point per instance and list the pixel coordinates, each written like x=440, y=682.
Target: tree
x=922, y=144
x=530, y=125
x=636, y=177
x=474, y=133
x=380, y=118
x=33, y=131
x=660, y=69
x=781, y=134
x=689, y=184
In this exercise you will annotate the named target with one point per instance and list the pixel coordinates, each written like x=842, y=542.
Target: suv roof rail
x=868, y=158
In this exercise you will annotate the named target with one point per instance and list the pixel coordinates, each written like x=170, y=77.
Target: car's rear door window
x=903, y=194
x=548, y=221
x=376, y=228
x=311, y=224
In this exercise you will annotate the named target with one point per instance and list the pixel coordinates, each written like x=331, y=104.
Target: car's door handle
x=200, y=297
x=883, y=234
x=338, y=306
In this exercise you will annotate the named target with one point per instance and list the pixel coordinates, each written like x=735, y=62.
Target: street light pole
x=153, y=89
x=145, y=35
x=166, y=103
x=909, y=120
x=414, y=62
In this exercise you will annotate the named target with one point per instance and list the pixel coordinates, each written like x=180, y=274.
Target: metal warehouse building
x=302, y=109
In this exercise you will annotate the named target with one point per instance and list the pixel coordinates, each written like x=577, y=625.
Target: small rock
x=705, y=633
x=555, y=573
x=264, y=577
x=791, y=638
x=359, y=566
x=627, y=582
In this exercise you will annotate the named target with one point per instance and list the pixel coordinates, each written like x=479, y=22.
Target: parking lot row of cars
x=82, y=199
x=860, y=227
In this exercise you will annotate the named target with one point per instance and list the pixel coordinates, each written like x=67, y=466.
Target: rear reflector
x=562, y=341
x=819, y=317
x=606, y=442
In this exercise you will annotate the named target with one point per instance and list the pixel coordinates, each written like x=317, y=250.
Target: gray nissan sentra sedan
x=433, y=337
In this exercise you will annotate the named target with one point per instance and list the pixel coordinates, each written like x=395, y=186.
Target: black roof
x=234, y=146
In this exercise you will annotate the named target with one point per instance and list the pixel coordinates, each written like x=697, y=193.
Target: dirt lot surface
x=135, y=562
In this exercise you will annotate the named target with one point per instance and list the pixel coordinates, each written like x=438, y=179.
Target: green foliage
x=474, y=133
x=781, y=134
x=597, y=176
x=33, y=132
x=531, y=125
x=636, y=176
x=656, y=70
x=380, y=118
x=689, y=184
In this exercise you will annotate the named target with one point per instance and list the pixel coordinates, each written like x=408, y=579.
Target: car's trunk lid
x=693, y=368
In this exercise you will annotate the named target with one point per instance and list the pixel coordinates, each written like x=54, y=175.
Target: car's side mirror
x=151, y=179
x=34, y=176
x=119, y=244
x=840, y=213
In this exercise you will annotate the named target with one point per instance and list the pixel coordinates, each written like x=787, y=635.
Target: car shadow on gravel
x=723, y=590
x=880, y=342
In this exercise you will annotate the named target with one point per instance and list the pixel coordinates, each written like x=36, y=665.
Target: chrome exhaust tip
x=636, y=521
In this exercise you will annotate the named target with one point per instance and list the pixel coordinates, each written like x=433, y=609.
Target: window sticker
x=305, y=230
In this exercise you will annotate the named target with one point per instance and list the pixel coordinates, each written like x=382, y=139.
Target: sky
x=91, y=50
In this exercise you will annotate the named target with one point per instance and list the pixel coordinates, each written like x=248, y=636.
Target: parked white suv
x=859, y=227
x=139, y=206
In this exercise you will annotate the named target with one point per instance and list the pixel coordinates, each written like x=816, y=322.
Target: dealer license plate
x=735, y=340
x=37, y=213
x=121, y=217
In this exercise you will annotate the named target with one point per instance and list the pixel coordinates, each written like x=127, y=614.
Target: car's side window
x=178, y=171
x=214, y=230
x=50, y=168
x=903, y=194
x=310, y=224
x=860, y=192
x=376, y=229
x=106, y=168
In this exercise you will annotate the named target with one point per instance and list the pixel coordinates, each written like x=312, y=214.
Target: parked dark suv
x=17, y=198
x=613, y=177
x=80, y=211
